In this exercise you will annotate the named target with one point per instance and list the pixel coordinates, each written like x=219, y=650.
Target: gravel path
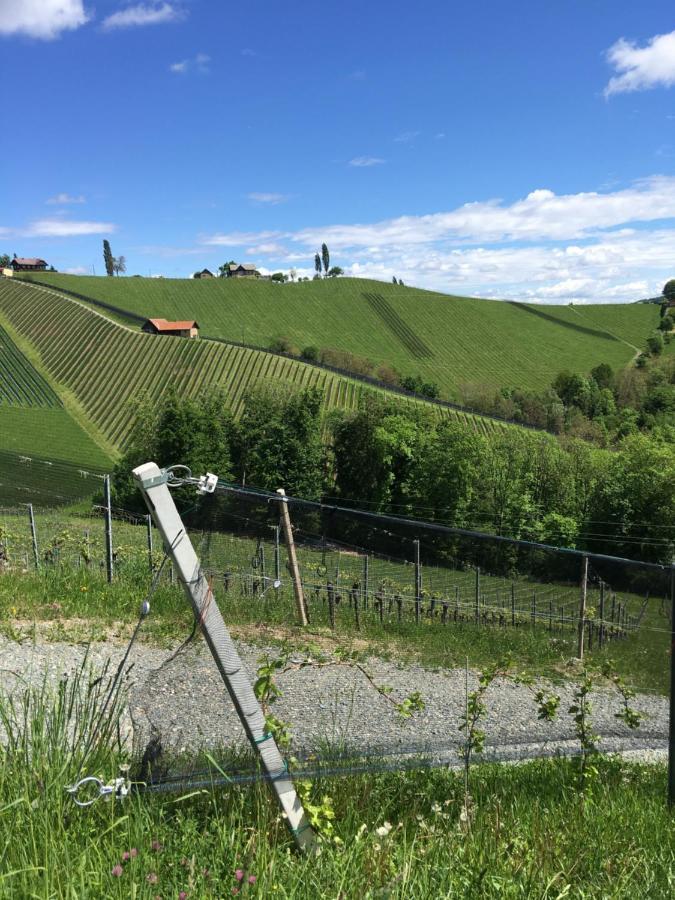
x=186, y=703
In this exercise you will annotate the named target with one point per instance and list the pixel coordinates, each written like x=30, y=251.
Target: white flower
x=383, y=830
x=436, y=808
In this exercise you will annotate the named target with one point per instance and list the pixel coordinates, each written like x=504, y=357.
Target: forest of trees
x=517, y=483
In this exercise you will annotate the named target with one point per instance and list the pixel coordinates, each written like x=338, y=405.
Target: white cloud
x=200, y=62
x=541, y=215
x=271, y=249
x=406, y=137
x=365, y=161
x=248, y=52
x=44, y=19
x=64, y=199
x=143, y=14
x=77, y=270
x=546, y=247
x=239, y=238
x=66, y=228
x=645, y=67
x=270, y=198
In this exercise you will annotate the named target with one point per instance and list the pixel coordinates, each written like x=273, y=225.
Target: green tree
x=317, y=265
x=119, y=265
x=335, y=271
x=279, y=441
x=325, y=258
x=5, y=261
x=194, y=432
x=603, y=375
x=108, y=258
x=446, y=472
x=655, y=344
x=669, y=290
x=224, y=270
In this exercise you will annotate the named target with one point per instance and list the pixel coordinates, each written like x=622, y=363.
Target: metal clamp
x=118, y=789
x=207, y=483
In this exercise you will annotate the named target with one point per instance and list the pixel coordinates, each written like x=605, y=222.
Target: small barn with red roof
x=186, y=329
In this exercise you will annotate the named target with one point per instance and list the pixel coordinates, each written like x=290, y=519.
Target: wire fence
x=430, y=590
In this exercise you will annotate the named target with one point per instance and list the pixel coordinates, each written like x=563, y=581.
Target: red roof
x=22, y=261
x=164, y=325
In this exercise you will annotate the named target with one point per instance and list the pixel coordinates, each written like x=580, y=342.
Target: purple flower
x=133, y=852
x=117, y=871
x=252, y=879
x=156, y=845
x=182, y=895
x=125, y=856
x=239, y=874
x=151, y=878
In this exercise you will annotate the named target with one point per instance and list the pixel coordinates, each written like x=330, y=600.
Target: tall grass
x=395, y=835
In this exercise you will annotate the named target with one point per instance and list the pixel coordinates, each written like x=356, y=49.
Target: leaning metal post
x=153, y=484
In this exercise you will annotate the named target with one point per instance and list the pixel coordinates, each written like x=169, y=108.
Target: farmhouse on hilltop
x=187, y=329
x=242, y=270
x=205, y=273
x=23, y=264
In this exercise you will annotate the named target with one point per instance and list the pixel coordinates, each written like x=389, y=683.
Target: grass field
x=449, y=340
x=106, y=367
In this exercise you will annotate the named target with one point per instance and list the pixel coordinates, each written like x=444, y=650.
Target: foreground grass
x=529, y=837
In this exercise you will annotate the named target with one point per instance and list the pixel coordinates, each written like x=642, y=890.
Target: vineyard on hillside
x=109, y=367
x=445, y=339
x=20, y=383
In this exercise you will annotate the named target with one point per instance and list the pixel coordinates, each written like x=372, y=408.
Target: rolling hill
x=449, y=340
x=94, y=370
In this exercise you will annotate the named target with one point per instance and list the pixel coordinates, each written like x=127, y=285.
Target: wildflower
x=117, y=871
x=383, y=830
x=182, y=895
x=436, y=808
x=359, y=833
x=185, y=861
x=151, y=878
x=235, y=890
x=133, y=853
x=125, y=856
x=252, y=879
x=156, y=846
x=239, y=874
x=84, y=589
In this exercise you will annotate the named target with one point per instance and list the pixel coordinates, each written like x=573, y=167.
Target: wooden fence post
x=582, y=607
x=418, y=582
x=300, y=604
x=33, y=535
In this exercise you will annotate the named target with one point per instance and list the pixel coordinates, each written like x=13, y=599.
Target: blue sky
x=517, y=149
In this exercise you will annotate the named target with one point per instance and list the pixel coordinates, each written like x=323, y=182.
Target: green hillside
x=449, y=340
x=104, y=368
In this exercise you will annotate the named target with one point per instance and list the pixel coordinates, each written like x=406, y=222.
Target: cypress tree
x=325, y=256
x=108, y=258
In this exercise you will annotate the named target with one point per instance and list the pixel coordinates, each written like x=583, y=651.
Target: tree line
x=383, y=457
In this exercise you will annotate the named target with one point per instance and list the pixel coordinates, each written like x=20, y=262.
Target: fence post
x=292, y=558
x=601, y=633
x=205, y=609
x=330, y=590
x=108, y=529
x=477, y=594
x=366, y=565
x=33, y=534
x=513, y=604
x=148, y=525
x=582, y=607
x=418, y=582
x=277, y=555
x=534, y=609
